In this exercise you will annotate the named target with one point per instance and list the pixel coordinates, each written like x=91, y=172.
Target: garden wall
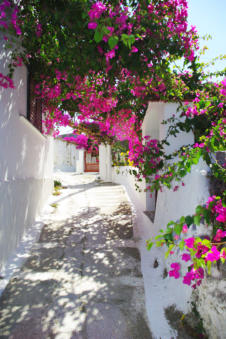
x=26, y=163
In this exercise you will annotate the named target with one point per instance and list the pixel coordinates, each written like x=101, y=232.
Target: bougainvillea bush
x=97, y=64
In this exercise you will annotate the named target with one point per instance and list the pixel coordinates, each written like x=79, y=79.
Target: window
x=34, y=105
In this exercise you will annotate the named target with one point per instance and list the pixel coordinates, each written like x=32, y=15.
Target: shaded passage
x=83, y=278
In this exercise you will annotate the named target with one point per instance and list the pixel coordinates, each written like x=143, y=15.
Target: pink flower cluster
x=5, y=81
x=170, y=16
x=217, y=208
x=6, y=11
x=195, y=276
x=95, y=13
x=80, y=140
x=198, y=250
x=175, y=272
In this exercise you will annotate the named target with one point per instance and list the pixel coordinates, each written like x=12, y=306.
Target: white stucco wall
x=79, y=161
x=105, y=169
x=64, y=156
x=152, y=125
x=211, y=303
x=161, y=291
x=67, y=157
x=26, y=163
x=121, y=175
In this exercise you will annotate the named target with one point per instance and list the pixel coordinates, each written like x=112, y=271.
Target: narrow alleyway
x=83, y=278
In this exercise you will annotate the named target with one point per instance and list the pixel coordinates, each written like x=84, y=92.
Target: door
x=91, y=161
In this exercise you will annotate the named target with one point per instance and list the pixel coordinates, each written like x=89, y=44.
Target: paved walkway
x=83, y=278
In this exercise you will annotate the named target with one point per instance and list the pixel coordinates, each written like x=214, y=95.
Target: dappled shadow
x=81, y=188
x=82, y=280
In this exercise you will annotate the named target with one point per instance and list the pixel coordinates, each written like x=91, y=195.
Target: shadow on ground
x=82, y=280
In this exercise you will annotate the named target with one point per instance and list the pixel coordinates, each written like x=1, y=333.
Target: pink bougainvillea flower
x=223, y=253
x=18, y=62
x=186, y=257
x=188, y=278
x=185, y=228
x=150, y=8
x=175, y=270
x=134, y=49
x=174, y=273
x=222, y=217
x=219, y=235
x=38, y=30
x=96, y=10
x=110, y=54
x=213, y=255
x=92, y=25
x=189, y=242
x=194, y=275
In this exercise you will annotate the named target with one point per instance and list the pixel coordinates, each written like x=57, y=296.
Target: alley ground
x=83, y=277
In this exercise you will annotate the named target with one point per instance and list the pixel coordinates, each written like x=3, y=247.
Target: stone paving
x=83, y=278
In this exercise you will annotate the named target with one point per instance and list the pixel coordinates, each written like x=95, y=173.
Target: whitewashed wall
x=26, y=163
x=67, y=157
x=162, y=291
x=211, y=303
x=121, y=175
x=105, y=168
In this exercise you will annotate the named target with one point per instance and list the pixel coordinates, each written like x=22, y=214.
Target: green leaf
x=98, y=36
x=128, y=40
x=112, y=42
x=189, y=220
x=167, y=254
x=181, y=245
x=159, y=243
x=178, y=228
x=192, y=252
x=124, y=38
x=170, y=223
x=199, y=209
x=197, y=219
x=200, y=263
x=206, y=243
x=209, y=267
x=207, y=215
x=105, y=30
x=158, y=236
x=131, y=40
x=182, y=220
x=222, y=260
x=149, y=245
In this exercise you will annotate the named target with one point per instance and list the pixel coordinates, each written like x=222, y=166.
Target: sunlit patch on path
x=83, y=278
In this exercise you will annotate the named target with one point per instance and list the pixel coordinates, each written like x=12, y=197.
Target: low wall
x=25, y=184
x=161, y=291
x=26, y=164
x=121, y=175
